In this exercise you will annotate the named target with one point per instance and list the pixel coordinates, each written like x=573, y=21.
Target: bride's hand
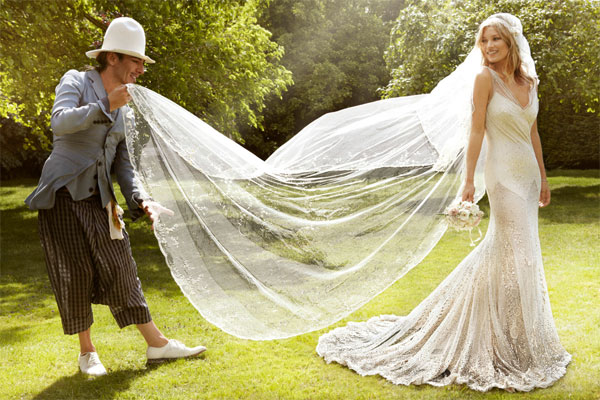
x=544, y=194
x=468, y=192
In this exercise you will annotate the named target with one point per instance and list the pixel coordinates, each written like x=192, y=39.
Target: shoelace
x=177, y=343
x=93, y=360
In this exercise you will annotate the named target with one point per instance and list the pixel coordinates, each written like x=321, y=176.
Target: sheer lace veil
x=516, y=29
x=272, y=249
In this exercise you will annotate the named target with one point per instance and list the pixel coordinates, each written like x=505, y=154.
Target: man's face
x=127, y=69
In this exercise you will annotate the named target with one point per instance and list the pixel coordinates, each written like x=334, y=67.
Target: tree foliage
x=431, y=38
x=334, y=49
x=212, y=57
x=40, y=41
x=230, y=61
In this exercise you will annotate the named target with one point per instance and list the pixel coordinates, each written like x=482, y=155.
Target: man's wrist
x=139, y=200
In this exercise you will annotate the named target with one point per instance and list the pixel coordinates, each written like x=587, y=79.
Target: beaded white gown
x=489, y=323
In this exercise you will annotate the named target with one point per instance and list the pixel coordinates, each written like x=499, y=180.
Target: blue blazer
x=88, y=140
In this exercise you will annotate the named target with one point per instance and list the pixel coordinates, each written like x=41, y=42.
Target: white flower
x=463, y=215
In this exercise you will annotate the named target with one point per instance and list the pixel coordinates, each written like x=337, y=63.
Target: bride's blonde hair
x=514, y=68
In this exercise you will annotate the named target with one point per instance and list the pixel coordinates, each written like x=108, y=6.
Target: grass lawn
x=38, y=361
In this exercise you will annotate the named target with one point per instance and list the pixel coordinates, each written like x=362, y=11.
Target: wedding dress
x=489, y=323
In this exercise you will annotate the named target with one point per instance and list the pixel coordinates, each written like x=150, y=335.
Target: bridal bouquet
x=464, y=216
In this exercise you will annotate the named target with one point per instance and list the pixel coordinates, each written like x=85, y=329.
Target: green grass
x=38, y=361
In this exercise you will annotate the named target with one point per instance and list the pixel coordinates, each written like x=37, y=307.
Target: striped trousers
x=85, y=266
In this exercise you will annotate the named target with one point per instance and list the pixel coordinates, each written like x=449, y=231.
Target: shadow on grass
x=8, y=192
x=81, y=386
x=24, y=286
x=15, y=334
x=573, y=204
x=574, y=173
x=24, y=297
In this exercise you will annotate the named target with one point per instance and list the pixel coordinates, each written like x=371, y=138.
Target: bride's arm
x=482, y=91
x=537, y=148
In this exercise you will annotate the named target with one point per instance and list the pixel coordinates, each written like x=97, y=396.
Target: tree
x=212, y=56
x=431, y=38
x=40, y=41
x=334, y=49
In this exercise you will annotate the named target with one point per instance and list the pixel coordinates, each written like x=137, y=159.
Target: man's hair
x=103, y=61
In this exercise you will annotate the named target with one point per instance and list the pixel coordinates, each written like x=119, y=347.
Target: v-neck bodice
x=510, y=156
x=501, y=87
x=506, y=116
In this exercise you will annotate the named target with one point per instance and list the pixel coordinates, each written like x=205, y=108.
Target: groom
x=88, y=255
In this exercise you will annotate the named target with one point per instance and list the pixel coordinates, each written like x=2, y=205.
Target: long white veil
x=273, y=249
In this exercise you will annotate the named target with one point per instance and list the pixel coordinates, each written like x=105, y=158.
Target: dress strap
x=501, y=87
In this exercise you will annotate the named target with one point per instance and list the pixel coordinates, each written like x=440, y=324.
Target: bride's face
x=493, y=46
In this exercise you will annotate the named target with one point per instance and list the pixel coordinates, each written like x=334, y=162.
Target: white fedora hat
x=126, y=36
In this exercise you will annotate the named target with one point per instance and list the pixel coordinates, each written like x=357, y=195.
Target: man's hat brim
x=94, y=54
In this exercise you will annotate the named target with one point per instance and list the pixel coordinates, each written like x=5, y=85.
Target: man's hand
x=118, y=97
x=154, y=209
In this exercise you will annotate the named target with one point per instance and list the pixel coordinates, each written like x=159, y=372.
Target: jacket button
x=99, y=163
x=91, y=190
x=96, y=176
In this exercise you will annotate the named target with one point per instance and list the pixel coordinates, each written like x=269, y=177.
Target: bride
x=489, y=323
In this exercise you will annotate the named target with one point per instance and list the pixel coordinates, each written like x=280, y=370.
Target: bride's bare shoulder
x=483, y=81
x=484, y=74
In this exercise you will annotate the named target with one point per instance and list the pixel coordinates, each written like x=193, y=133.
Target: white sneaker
x=89, y=363
x=172, y=350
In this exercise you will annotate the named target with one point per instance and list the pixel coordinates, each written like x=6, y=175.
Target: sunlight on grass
x=38, y=361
